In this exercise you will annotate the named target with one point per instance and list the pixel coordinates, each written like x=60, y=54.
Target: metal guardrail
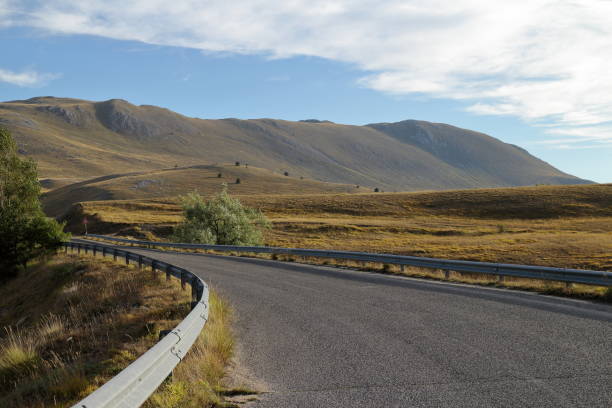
x=133, y=386
x=588, y=277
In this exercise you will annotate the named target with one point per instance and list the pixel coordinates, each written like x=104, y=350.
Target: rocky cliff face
x=143, y=123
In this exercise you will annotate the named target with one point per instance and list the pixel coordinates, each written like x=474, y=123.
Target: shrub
x=376, y=190
x=219, y=175
x=222, y=220
x=286, y=173
x=237, y=163
x=238, y=180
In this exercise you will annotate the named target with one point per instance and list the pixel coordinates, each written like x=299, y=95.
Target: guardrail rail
x=133, y=386
x=569, y=276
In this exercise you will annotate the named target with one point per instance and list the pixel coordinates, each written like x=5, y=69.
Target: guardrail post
x=167, y=273
x=94, y=251
x=153, y=268
x=65, y=249
x=403, y=268
x=114, y=255
x=103, y=252
x=86, y=249
x=194, y=289
x=79, y=249
x=139, y=261
x=446, y=274
x=183, y=279
x=127, y=258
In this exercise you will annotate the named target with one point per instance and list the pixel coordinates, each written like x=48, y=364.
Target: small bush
x=286, y=173
x=376, y=190
x=222, y=220
x=238, y=180
x=219, y=175
x=237, y=163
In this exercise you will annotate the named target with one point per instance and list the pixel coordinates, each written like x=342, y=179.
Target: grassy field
x=205, y=179
x=70, y=324
x=563, y=226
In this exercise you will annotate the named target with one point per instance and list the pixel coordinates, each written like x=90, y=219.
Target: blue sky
x=332, y=60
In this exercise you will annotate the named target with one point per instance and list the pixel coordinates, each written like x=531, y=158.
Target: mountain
x=78, y=139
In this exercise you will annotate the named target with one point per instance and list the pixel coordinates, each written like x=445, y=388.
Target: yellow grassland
x=568, y=226
x=70, y=324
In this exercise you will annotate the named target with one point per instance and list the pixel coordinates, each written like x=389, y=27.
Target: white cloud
x=25, y=78
x=544, y=61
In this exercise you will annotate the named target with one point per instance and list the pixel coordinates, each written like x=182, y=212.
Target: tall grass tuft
x=18, y=356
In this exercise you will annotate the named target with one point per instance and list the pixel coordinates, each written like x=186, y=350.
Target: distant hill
x=173, y=182
x=77, y=139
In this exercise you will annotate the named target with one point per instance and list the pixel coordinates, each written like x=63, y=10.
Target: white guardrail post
x=588, y=277
x=133, y=386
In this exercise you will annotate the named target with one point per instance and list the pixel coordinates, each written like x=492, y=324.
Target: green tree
x=222, y=220
x=25, y=231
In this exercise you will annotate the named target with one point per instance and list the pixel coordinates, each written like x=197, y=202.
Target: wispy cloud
x=25, y=78
x=544, y=61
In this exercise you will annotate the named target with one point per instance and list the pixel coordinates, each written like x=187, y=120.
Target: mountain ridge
x=83, y=139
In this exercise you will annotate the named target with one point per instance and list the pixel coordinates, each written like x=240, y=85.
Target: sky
x=533, y=73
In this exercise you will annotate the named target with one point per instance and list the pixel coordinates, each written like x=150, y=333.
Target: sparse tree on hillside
x=219, y=175
x=286, y=173
x=237, y=163
x=376, y=190
x=222, y=220
x=238, y=180
x=25, y=231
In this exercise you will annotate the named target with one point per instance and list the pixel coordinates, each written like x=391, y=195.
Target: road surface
x=315, y=336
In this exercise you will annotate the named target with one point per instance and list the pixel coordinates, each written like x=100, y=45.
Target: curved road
x=326, y=337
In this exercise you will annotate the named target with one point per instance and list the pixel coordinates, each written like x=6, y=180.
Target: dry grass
x=560, y=226
x=563, y=226
x=173, y=182
x=71, y=324
x=198, y=380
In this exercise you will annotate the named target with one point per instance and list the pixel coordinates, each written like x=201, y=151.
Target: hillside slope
x=174, y=182
x=75, y=138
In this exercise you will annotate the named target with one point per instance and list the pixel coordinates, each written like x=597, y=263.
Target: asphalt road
x=326, y=337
